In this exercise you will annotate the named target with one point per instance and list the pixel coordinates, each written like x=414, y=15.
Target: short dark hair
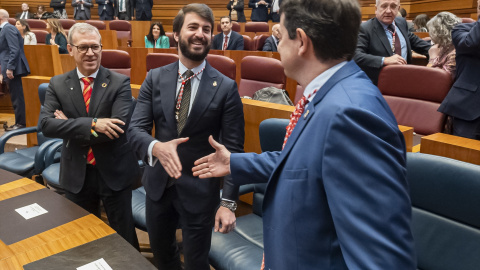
x=403, y=12
x=201, y=10
x=150, y=34
x=332, y=25
x=228, y=17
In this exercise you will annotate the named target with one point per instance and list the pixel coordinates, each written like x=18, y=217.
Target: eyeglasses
x=96, y=48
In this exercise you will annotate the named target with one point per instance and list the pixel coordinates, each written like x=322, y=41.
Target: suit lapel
x=99, y=88
x=380, y=32
x=74, y=90
x=168, y=88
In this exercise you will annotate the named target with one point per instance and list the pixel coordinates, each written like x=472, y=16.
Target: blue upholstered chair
x=22, y=161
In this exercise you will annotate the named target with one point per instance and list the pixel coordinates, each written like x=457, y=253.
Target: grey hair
x=82, y=28
x=440, y=28
x=3, y=14
x=377, y=2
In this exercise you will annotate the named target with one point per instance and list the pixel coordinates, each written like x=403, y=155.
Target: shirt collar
x=321, y=79
x=275, y=39
x=93, y=75
x=229, y=34
x=196, y=69
x=385, y=26
x=3, y=24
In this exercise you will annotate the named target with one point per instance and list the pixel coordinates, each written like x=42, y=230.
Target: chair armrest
x=39, y=164
x=50, y=153
x=13, y=133
x=245, y=189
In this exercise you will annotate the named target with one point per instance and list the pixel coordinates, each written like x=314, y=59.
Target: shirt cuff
x=151, y=159
x=383, y=58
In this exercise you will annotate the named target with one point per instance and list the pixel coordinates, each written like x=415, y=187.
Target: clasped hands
x=107, y=126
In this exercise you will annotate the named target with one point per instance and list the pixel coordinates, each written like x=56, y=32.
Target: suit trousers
x=467, y=129
x=163, y=217
x=105, y=17
x=117, y=204
x=142, y=17
x=275, y=16
x=17, y=98
x=123, y=16
x=81, y=15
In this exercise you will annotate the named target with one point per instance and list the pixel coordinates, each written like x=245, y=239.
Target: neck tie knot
x=187, y=74
x=391, y=27
x=87, y=80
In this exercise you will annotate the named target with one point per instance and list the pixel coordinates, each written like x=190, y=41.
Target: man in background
x=105, y=9
x=271, y=42
x=228, y=39
x=14, y=66
x=123, y=10
x=259, y=10
x=143, y=9
x=81, y=9
x=25, y=14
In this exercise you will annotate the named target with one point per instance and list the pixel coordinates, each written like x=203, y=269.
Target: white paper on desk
x=31, y=211
x=99, y=264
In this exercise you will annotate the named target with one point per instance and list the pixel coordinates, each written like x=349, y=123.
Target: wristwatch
x=230, y=205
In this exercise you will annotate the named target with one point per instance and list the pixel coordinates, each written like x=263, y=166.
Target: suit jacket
x=86, y=7
x=143, y=6
x=128, y=6
x=108, y=6
x=234, y=43
x=57, y=4
x=111, y=98
x=239, y=7
x=60, y=40
x=29, y=15
x=12, y=55
x=217, y=110
x=270, y=45
x=464, y=97
x=373, y=45
x=337, y=194
x=260, y=13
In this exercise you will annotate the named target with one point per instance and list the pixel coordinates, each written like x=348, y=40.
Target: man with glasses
x=89, y=108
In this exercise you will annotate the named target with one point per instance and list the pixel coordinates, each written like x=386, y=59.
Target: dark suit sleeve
x=268, y=46
x=418, y=45
x=13, y=47
x=251, y=3
x=215, y=43
x=87, y=3
x=62, y=41
x=466, y=39
x=362, y=56
x=239, y=43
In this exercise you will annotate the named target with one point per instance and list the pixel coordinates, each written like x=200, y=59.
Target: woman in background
x=56, y=35
x=420, y=23
x=29, y=38
x=442, y=53
x=40, y=12
x=156, y=38
x=236, y=11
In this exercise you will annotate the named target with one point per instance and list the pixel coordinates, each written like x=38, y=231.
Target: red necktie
x=225, y=44
x=87, y=93
x=397, y=47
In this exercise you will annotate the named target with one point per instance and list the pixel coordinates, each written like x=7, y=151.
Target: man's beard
x=194, y=56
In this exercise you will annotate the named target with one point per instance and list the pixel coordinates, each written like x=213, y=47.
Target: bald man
x=272, y=41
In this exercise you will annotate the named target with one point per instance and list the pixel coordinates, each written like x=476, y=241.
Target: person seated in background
x=420, y=23
x=40, y=11
x=156, y=38
x=236, y=13
x=29, y=38
x=59, y=8
x=228, y=39
x=442, y=53
x=56, y=35
x=25, y=14
x=271, y=42
x=403, y=13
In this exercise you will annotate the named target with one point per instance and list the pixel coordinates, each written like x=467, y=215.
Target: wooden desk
x=408, y=135
x=109, y=39
x=450, y=146
x=44, y=60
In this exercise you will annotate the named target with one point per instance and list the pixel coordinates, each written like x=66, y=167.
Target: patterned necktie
x=185, y=104
x=397, y=48
x=225, y=45
x=87, y=93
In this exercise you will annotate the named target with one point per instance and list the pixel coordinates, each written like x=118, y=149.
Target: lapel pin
x=71, y=88
x=104, y=85
x=214, y=83
x=306, y=114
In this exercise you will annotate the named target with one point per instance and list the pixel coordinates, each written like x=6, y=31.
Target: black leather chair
x=22, y=161
x=446, y=212
x=242, y=249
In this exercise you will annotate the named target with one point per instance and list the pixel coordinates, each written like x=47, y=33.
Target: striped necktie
x=87, y=93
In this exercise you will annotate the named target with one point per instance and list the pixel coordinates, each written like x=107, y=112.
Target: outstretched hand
x=214, y=165
x=166, y=152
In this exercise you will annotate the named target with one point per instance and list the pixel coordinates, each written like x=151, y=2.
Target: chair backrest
x=224, y=64
x=12, y=21
x=260, y=72
x=41, y=35
x=67, y=23
x=123, y=28
x=117, y=60
x=100, y=25
x=414, y=94
x=257, y=27
x=173, y=42
x=37, y=24
x=42, y=90
x=446, y=216
x=248, y=43
x=467, y=20
x=259, y=41
x=155, y=60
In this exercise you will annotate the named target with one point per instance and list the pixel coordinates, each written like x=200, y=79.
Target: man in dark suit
x=337, y=194
x=89, y=108
x=143, y=9
x=259, y=10
x=385, y=40
x=271, y=42
x=461, y=102
x=105, y=9
x=25, y=14
x=186, y=101
x=123, y=9
x=14, y=67
x=228, y=39
x=81, y=9
x=275, y=11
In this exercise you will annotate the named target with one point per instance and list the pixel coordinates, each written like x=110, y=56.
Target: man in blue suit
x=81, y=9
x=105, y=9
x=143, y=9
x=337, y=195
x=462, y=101
x=14, y=66
x=259, y=10
x=228, y=39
